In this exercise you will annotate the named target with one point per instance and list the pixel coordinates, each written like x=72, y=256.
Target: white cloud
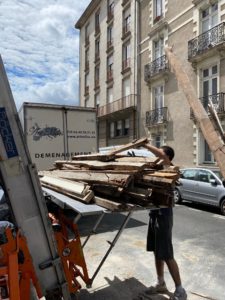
x=39, y=48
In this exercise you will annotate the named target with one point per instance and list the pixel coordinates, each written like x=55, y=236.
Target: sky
x=39, y=46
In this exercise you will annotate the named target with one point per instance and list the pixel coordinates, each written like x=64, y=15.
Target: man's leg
x=180, y=293
x=159, y=265
x=174, y=271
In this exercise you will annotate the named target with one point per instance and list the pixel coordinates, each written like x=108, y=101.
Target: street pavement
x=199, y=244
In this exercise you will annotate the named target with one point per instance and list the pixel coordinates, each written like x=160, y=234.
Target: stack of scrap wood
x=114, y=180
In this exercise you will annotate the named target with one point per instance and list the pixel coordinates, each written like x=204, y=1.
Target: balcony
x=126, y=65
x=205, y=42
x=156, y=116
x=97, y=86
x=87, y=41
x=97, y=57
x=97, y=30
x=126, y=31
x=118, y=105
x=158, y=66
x=109, y=45
x=125, y=2
x=109, y=75
x=86, y=66
x=110, y=14
x=217, y=101
x=86, y=90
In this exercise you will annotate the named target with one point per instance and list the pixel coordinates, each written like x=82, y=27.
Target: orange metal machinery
x=16, y=268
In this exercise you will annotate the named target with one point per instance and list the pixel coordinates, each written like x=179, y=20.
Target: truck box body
x=55, y=132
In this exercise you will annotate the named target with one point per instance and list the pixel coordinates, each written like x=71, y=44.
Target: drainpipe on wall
x=137, y=83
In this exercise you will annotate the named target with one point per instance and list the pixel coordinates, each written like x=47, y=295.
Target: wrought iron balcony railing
x=109, y=75
x=217, y=101
x=118, y=105
x=110, y=14
x=97, y=29
x=126, y=29
x=86, y=90
x=109, y=44
x=126, y=64
x=157, y=66
x=206, y=40
x=156, y=116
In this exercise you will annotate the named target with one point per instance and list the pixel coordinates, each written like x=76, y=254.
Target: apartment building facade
x=195, y=31
x=108, y=68
x=144, y=99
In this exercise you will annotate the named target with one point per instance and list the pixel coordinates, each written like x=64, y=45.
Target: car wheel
x=177, y=196
x=222, y=207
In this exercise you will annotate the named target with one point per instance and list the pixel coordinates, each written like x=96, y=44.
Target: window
x=209, y=83
x=189, y=174
x=109, y=36
x=158, y=9
x=110, y=67
x=86, y=83
x=87, y=59
x=112, y=129
x=126, y=21
x=158, y=48
x=97, y=99
x=97, y=22
x=110, y=9
x=157, y=141
x=119, y=128
x=87, y=34
x=110, y=95
x=158, y=94
x=126, y=87
x=126, y=55
x=126, y=126
x=203, y=176
x=209, y=17
x=97, y=48
x=86, y=102
x=208, y=157
x=97, y=74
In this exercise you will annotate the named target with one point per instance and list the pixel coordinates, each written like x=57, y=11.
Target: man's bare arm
x=159, y=153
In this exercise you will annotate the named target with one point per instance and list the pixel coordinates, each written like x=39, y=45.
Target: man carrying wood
x=159, y=238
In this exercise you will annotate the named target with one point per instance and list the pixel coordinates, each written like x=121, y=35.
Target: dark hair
x=168, y=151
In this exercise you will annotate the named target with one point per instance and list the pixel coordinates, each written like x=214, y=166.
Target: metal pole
x=112, y=244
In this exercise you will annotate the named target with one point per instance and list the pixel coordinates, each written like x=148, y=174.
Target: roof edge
x=86, y=14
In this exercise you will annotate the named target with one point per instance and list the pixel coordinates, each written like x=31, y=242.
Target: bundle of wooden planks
x=116, y=181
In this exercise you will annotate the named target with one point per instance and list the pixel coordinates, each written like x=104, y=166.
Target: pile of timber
x=115, y=181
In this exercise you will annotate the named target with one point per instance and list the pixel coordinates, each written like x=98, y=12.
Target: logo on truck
x=49, y=132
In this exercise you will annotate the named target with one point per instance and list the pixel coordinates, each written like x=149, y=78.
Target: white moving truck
x=55, y=132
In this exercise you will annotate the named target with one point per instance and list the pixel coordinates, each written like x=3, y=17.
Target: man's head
x=168, y=151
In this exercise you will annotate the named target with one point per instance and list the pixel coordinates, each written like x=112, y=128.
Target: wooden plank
x=216, y=120
x=148, y=179
x=138, y=159
x=111, y=205
x=107, y=190
x=133, y=144
x=121, y=180
x=211, y=136
x=70, y=186
x=162, y=174
x=99, y=165
x=85, y=199
x=94, y=156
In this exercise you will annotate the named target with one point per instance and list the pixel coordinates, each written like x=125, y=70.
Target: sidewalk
x=129, y=269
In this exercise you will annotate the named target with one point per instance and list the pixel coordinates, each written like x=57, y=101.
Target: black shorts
x=159, y=238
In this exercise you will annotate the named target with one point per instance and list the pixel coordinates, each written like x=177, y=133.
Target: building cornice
x=87, y=13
